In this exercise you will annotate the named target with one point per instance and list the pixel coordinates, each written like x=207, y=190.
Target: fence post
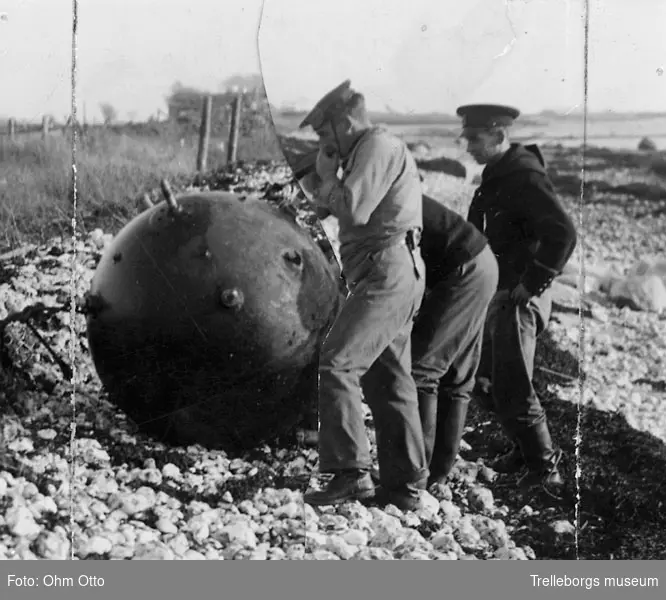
x=233, y=131
x=204, y=133
x=45, y=127
x=11, y=125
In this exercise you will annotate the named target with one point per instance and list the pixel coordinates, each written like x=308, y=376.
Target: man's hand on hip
x=520, y=295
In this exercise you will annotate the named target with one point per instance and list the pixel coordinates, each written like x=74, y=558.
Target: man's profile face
x=482, y=144
x=327, y=136
x=333, y=136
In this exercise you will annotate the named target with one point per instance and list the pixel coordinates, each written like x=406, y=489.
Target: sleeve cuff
x=538, y=277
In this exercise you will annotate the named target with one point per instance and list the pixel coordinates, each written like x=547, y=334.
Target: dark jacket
x=517, y=209
x=447, y=241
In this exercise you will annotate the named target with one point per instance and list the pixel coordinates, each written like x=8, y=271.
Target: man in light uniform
x=532, y=236
x=378, y=205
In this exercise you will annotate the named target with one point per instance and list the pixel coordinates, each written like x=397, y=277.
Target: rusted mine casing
x=205, y=320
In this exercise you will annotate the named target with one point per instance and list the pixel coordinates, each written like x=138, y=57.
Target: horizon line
x=288, y=112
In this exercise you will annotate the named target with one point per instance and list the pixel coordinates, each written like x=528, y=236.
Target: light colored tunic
x=378, y=199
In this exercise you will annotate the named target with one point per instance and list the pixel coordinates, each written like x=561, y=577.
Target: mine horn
x=169, y=197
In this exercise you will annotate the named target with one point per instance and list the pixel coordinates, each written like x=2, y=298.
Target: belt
x=411, y=240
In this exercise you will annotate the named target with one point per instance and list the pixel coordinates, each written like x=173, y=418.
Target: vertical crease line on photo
x=72, y=320
x=581, y=284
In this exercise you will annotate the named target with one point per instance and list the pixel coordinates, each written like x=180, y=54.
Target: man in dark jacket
x=533, y=238
x=461, y=277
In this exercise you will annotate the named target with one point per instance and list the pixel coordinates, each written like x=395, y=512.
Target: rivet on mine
x=232, y=298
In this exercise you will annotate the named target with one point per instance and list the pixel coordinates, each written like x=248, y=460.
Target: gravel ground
x=116, y=494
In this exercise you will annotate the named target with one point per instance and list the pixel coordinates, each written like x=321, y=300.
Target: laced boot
x=406, y=497
x=346, y=486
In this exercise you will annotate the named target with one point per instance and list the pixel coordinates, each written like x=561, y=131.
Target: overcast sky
x=418, y=55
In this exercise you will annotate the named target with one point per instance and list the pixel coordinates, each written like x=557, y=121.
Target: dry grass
x=114, y=168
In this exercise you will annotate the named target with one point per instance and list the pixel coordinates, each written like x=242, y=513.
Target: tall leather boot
x=511, y=462
x=450, y=429
x=483, y=395
x=542, y=459
x=428, y=407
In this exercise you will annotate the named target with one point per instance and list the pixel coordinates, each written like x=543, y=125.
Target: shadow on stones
x=622, y=489
x=132, y=453
x=135, y=456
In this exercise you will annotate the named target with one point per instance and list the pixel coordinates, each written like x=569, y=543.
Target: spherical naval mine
x=208, y=329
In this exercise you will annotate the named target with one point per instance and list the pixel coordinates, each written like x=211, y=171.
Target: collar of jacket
x=364, y=135
x=516, y=158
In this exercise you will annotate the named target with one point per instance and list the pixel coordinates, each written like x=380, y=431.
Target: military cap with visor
x=330, y=106
x=487, y=116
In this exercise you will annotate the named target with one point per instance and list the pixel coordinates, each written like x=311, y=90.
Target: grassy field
x=114, y=168
x=116, y=165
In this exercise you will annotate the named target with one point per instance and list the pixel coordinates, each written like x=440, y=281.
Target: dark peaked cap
x=329, y=106
x=485, y=116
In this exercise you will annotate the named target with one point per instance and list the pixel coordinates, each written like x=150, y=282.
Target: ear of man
x=501, y=135
x=355, y=109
